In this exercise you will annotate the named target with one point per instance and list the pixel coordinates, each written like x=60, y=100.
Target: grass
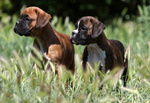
x=20, y=82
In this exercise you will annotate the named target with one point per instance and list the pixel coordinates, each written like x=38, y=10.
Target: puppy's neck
x=102, y=41
x=47, y=36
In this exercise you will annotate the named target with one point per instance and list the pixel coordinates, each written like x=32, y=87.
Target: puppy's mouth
x=74, y=42
x=23, y=34
x=78, y=43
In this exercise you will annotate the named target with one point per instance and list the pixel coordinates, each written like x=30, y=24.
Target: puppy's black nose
x=15, y=29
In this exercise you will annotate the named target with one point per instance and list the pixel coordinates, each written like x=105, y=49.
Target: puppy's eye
x=28, y=19
x=83, y=28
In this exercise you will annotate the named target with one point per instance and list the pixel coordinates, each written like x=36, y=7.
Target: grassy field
x=21, y=83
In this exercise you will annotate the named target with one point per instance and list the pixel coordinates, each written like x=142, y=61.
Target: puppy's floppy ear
x=98, y=28
x=42, y=18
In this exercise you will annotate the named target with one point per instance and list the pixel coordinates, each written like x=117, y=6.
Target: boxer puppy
x=89, y=31
x=54, y=46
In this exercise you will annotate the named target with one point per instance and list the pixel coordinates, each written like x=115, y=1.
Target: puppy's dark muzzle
x=19, y=29
x=15, y=29
x=71, y=40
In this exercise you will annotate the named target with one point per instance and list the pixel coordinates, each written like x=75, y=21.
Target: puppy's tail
x=127, y=53
x=125, y=72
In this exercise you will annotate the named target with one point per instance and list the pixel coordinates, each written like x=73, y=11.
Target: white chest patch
x=42, y=51
x=96, y=55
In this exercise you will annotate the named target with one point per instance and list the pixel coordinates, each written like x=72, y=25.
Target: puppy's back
x=119, y=45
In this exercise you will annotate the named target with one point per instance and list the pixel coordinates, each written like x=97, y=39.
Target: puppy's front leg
x=84, y=58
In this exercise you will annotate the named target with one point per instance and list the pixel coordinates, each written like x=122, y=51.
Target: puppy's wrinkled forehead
x=87, y=21
x=30, y=12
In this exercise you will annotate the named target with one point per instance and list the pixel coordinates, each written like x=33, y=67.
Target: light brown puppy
x=54, y=46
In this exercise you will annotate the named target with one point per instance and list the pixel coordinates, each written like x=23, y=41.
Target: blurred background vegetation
x=105, y=10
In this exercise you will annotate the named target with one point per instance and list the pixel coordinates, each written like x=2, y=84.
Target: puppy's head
x=31, y=18
x=86, y=30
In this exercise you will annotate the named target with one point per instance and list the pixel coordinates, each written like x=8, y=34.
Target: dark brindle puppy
x=89, y=31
